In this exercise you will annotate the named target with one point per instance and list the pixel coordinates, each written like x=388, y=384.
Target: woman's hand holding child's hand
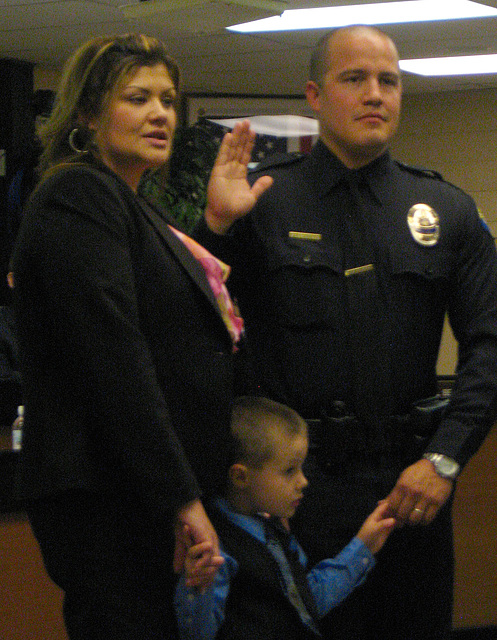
x=201, y=563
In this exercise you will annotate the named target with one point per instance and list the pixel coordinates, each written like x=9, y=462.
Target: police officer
x=344, y=272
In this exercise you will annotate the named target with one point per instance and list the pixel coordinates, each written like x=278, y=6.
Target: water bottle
x=17, y=429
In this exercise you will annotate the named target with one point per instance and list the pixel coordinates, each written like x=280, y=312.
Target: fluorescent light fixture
x=377, y=14
x=451, y=66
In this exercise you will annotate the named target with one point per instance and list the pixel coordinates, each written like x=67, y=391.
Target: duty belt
x=341, y=439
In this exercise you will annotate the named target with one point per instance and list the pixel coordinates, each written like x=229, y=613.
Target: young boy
x=262, y=589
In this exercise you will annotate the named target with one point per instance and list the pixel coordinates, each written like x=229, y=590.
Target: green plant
x=181, y=191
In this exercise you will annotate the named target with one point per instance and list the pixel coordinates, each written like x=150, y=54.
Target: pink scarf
x=217, y=273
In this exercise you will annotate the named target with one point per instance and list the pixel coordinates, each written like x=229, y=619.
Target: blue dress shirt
x=200, y=615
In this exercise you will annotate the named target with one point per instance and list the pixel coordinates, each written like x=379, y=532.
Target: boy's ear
x=238, y=475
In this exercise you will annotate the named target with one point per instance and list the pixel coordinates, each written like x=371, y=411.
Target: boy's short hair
x=254, y=418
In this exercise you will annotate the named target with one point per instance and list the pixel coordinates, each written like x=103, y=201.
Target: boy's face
x=277, y=488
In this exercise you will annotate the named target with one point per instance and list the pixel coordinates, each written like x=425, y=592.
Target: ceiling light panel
x=451, y=66
x=372, y=14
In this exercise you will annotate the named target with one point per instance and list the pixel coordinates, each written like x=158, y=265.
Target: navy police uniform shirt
x=434, y=255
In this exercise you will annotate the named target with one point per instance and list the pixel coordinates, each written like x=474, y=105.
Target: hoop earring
x=72, y=141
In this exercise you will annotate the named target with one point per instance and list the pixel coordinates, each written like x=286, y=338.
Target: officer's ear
x=313, y=93
x=239, y=475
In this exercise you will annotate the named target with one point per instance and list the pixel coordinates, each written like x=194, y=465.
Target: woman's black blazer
x=127, y=366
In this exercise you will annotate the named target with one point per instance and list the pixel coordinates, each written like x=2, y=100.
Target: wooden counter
x=30, y=603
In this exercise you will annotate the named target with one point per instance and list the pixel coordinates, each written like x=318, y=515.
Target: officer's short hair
x=254, y=418
x=319, y=57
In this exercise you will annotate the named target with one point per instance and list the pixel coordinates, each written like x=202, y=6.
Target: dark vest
x=257, y=608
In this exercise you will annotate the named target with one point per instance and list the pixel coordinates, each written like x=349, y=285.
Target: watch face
x=447, y=466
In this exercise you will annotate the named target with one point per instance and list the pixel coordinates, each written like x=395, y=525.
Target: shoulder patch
x=420, y=171
x=484, y=222
x=276, y=160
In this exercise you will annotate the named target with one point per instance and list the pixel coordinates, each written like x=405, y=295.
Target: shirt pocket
x=425, y=265
x=305, y=283
x=420, y=284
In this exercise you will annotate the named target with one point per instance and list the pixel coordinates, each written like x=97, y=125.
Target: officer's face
x=358, y=100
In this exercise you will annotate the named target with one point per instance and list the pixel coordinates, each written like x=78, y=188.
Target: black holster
x=340, y=439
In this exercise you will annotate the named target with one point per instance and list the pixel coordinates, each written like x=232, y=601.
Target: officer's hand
x=229, y=194
x=419, y=494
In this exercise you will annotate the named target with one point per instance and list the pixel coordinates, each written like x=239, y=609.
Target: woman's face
x=136, y=131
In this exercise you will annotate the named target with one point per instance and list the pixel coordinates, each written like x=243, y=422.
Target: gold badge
x=304, y=235
x=424, y=224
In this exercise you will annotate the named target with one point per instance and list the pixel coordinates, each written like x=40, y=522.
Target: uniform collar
x=326, y=170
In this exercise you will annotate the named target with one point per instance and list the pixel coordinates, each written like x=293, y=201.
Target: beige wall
x=45, y=78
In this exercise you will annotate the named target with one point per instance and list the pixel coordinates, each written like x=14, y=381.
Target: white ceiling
x=215, y=60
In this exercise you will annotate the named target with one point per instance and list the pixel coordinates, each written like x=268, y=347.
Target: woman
x=127, y=343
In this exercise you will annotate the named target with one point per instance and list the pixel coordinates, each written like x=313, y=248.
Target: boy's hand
x=201, y=563
x=376, y=528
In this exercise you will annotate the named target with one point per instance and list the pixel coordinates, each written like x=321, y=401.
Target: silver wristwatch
x=444, y=466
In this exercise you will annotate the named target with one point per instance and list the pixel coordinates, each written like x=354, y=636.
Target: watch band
x=445, y=467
